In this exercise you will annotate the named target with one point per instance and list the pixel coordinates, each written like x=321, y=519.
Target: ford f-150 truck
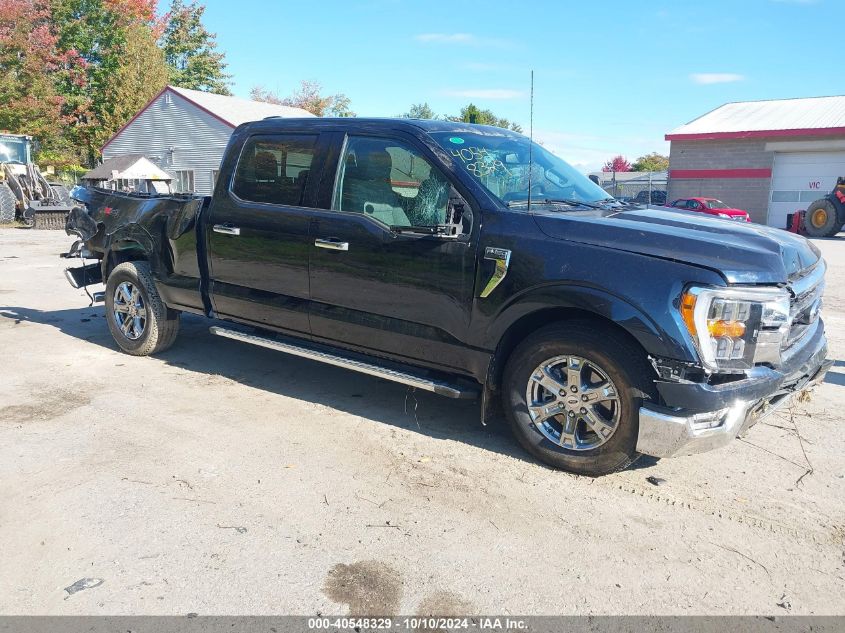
x=467, y=261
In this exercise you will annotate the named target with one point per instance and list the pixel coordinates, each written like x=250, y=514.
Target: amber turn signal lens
x=732, y=329
x=688, y=311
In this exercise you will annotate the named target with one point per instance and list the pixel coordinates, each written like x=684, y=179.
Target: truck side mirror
x=459, y=212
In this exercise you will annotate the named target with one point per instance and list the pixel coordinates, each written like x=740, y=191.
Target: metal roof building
x=185, y=133
x=769, y=157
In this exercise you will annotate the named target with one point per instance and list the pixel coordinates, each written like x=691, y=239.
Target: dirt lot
x=225, y=479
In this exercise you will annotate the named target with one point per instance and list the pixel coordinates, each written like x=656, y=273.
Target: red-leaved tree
x=617, y=164
x=29, y=63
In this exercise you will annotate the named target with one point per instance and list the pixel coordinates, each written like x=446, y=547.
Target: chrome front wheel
x=130, y=312
x=573, y=402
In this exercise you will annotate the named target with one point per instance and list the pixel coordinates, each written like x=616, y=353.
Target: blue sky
x=610, y=77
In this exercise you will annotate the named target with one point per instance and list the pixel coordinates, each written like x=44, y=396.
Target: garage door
x=800, y=178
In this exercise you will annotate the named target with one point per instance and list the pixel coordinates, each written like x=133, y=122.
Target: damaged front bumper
x=700, y=417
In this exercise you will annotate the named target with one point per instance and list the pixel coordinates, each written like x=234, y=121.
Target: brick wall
x=751, y=194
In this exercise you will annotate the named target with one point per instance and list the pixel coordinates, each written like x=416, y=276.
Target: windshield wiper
x=615, y=201
x=567, y=201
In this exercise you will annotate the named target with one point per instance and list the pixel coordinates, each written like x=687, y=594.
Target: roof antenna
x=531, y=142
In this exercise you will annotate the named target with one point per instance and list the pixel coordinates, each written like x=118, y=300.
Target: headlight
x=735, y=328
x=725, y=215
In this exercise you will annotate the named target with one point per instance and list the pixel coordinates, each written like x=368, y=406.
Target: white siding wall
x=196, y=138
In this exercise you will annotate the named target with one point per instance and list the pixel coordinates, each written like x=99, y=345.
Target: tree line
x=470, y=113
x=647, y=162
x=309, y=96
x=72, y=72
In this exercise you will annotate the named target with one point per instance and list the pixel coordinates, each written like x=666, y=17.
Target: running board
x=419, y=382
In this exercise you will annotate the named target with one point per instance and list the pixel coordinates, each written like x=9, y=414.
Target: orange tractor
x=826, y=217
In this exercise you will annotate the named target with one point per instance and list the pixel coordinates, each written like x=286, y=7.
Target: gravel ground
x=220, y=478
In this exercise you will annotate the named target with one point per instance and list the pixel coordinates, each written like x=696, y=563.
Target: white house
x=186, y=131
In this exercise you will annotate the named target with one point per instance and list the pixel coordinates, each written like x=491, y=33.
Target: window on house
x=274, y=169
x=183, y=181
x=215, y=173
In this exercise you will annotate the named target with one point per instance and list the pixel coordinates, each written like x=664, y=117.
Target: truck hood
x=740, y=252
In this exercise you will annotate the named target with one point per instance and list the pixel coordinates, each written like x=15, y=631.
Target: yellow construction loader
x=25, y=194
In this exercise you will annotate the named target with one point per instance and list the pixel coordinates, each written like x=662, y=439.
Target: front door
x=258, y=233
x=382, y=279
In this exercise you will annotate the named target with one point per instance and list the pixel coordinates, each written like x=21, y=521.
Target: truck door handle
x=226, y=229
x=332, y=244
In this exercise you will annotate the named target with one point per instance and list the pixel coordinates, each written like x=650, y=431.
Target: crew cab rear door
x=376, y=284
x=258, y=231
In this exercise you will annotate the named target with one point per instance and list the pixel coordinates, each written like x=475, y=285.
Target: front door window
x=391, y=182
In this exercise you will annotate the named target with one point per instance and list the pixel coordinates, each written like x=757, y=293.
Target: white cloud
x=716, y=78
x=486, y=93
x=449, y=38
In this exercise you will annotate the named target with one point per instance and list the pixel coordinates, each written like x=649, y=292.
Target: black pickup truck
x=467, y=261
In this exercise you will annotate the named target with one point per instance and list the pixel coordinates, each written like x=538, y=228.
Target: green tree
x=473, y=114
x=141, y=74
x=111, y=66
x=191, y=51
x=651, y=162
x=420, y=111
x=89, y=39
x=309, y=96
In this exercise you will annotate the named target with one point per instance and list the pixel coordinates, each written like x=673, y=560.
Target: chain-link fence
x=638, y=186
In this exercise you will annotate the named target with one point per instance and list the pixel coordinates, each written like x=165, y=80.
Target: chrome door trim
x=502, y=257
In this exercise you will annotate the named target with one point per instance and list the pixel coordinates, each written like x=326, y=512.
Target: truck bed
x=164, y=226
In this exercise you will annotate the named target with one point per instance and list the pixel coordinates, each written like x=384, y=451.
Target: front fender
x=655, y=327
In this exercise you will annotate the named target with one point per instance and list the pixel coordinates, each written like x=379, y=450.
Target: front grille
x=805, y=305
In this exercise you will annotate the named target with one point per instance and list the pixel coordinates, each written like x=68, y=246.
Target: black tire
x=161, y=324
x=822, y=220
x=8, y=204
x=622, y=362
x=62, y=194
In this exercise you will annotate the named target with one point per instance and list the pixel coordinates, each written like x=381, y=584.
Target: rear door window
x=274, y=169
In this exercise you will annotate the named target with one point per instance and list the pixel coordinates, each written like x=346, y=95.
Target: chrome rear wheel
x=130, y=312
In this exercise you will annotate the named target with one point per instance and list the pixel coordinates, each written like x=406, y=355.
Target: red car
x=711, y=206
